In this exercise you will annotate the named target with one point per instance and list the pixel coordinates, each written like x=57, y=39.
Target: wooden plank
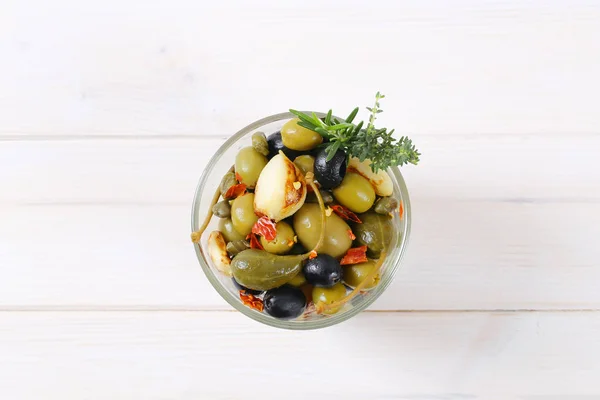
x=460, y=67
x=473, y=255
x=196, y=355
x=489, y=167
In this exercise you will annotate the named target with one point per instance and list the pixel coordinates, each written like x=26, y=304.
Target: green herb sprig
x=378, y=145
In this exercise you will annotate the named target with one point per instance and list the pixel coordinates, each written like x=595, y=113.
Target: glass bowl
x=218, y=165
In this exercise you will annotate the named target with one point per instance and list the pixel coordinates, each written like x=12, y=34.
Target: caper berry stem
x=197, y=235
x=320, y=307
x=310, y=179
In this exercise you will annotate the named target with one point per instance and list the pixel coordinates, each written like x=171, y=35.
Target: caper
x=306, y=163
x=228, y=231
x=237, y=246
x=222, y=209
x=329, y=295
x=307, y=224
x=326, y=195
x=283, y=242
x=248, y=165
x=355, y=192
x=297, y=137
x=259, y=143
x=385, y=205
x=356, y=273
x=242, y=214
x=227, y=182
x=375, y=232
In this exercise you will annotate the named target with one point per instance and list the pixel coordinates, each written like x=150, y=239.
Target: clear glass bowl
x=209, y=182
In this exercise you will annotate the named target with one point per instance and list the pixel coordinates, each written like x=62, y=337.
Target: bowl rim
x=266, y=319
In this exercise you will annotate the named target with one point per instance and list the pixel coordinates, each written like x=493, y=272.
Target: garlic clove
x=217, y=250
x=280, y=190
x=381, y=181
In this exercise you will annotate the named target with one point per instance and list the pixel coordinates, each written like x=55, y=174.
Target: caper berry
x=233, y=248
x=222, y=209
x=259, y=143
x=227, y=182
x=385, y=205
x=327, y=197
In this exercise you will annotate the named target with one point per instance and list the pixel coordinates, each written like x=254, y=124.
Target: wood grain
x=180, y=67
x=531, y=168
x=377, y=356
x=473, y=255
x=111, y=109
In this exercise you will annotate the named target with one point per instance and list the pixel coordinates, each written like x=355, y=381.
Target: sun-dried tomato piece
x=313, y=254
x=254, y=242
x=251, y=301
x=238, y=177
x=346, y=214
x=355, y=255
x=235, y=191
x=401, y=209
x=351, y=234
x=265, y=227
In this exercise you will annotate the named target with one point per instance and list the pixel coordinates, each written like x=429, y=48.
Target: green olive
x=283, y=242
x=375, y=232
x=222, y=209
x=248, y=165
x=329, y=295
x=296, y=137
x=259, y=143
x=355, y=274
x=227, y=182
x=325, y=195
x=355, y=192
x=306, y=163
x=307, y=224
x=242, y=214
x=298, y=280
x=228, y=231
x=385, y=205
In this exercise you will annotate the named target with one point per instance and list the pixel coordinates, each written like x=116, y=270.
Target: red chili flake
x=254, y=242
x=238, y=177
x=235, y=191
x=351, y=234
x=251, y=301
x=313, y=254
x=355, y=255
x=346, y=214
x=401, y=209
x=265, y=227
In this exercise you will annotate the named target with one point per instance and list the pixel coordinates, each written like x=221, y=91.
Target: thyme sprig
x=378, y=145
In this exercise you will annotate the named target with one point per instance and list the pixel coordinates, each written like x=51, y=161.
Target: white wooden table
x=110, y=109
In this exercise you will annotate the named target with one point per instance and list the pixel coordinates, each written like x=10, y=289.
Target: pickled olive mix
x=305, y=215
x=271, y=179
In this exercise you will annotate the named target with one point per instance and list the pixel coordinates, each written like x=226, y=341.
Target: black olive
x=244, y=288
x=322, y=271
x=276, y=144
x=330, y=173
x=285, y=302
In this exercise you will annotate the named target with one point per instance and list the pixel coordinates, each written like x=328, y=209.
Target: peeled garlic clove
x=381, y=181
x=217, y=250
x=280, y=190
